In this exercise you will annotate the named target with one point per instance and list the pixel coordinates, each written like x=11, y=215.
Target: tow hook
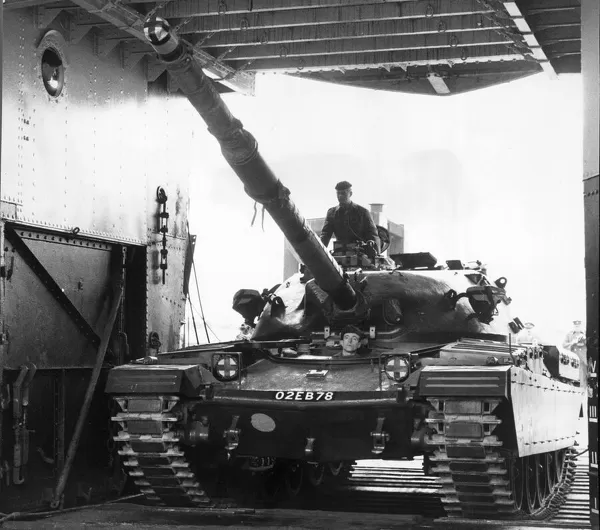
x=419, y=439
x=380, y=437
x=232, y=435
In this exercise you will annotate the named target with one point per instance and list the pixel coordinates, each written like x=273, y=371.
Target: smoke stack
x=377, y=214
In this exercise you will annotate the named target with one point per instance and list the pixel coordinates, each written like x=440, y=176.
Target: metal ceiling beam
x=544, y=27
x=563, y=47
x=222, y=7
x=559, y=34
x=132, y=22
x=312, y=17
x=551, y=9
x=398, y=76
x=538, y=17
x=380, y=28
x=81, y=17
x=552, y=42
x=536, y=50
x=421, y=71
x=402, y=59
x=376, y=80
x=545, y=4
x=20, y=4
x=376, y=44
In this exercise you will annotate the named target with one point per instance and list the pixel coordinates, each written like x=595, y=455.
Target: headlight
x=397, y=368
x=226, y=366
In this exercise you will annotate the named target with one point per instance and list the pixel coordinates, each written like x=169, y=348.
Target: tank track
x=476, y=472
x=148, y=445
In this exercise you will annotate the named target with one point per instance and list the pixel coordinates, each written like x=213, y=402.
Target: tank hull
x=468, y=421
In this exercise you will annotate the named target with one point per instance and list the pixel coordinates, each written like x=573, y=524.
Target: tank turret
x=337, y=296
x=240, y=150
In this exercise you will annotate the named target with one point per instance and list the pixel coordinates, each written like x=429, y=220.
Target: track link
x=482, y=480
x=148, y=444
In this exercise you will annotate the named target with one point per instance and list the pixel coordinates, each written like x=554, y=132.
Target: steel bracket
x=172, y=85
x=77, y=32
x=43, y=16
x=106, y=41
x=154, y=69
x=132, y=53
x=309, y=448
x=232, y=435
x=380, y=437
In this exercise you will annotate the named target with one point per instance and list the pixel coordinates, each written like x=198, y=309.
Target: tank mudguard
x=188, y=380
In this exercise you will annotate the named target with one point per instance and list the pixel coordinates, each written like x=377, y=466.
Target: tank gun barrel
x=240, y=150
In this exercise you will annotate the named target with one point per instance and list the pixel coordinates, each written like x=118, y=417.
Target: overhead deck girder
x=427, y=47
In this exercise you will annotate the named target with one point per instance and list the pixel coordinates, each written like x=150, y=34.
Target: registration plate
x=302, y=395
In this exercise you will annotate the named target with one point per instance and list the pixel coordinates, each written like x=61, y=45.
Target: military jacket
x=349, y=223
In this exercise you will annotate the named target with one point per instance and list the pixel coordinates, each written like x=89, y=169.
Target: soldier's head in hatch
x=351, y=337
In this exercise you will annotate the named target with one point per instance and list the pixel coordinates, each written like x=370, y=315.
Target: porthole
x=53, y=72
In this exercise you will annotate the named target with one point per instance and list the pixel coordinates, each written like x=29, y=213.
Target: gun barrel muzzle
x=160, y=35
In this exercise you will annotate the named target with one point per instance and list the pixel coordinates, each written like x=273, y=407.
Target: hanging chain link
x=517, y=44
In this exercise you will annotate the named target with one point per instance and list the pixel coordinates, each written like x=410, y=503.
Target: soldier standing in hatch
x=349, y=221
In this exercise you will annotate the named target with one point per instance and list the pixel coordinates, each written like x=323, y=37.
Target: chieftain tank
x=441, y=372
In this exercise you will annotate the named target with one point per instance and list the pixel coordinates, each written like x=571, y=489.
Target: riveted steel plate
x=38, y=327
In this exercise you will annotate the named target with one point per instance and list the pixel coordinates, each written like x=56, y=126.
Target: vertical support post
x=87, y=401
x=590, y=53
x=2, y=345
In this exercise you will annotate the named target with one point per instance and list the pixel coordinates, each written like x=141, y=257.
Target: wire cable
x=193, y=318
x=205, y=322
x=198, y=292
x=16, y=516
x=200, y=302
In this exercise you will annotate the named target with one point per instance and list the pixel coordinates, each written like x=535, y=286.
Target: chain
x=183, y=23
x=517, y=45
x=156, y=8
x=163, y=218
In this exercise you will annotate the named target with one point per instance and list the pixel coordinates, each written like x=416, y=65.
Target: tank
x=437, y=373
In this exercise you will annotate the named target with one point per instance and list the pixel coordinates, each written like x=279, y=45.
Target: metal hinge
x=232, y=435
x=380, y=437
x=309, y=448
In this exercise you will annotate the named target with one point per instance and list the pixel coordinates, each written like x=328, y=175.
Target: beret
x=351, y=329
x=343, y=185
